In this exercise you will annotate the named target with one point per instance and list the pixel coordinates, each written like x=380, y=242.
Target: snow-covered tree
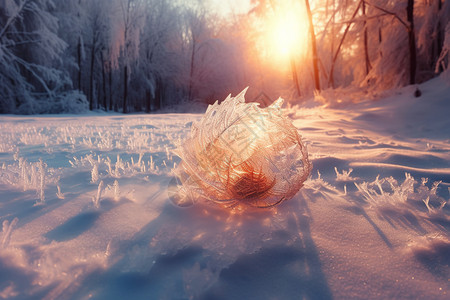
x=30, y=52
x=158, y=63
x=213, y=60
x=143, y=54
x=98, y=40
x=435, y=16
x=131, y=17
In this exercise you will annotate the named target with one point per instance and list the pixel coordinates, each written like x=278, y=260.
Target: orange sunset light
x=287, y=31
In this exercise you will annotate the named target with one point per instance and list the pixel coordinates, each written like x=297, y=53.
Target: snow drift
x=85, y=210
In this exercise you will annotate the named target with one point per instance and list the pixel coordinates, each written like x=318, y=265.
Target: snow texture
x=86, y=212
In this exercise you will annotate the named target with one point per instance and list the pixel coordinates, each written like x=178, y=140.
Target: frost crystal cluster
x=241, y=154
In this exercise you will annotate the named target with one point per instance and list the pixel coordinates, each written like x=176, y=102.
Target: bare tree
x=313, y=47
x=131, y=18
x=338, y=50
x=97, y=29
x=158, y=65
x=365, y=40
x=411, y=42
x=79, y=46
x=198, y=35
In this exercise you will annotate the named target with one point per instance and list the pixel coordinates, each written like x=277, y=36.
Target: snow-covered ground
x=86, y=212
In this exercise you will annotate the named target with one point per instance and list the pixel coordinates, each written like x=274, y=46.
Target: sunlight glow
x=286, y=34
x=288, y=31
x=230, y=7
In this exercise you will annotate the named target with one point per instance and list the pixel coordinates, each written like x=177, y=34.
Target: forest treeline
x=142, y=55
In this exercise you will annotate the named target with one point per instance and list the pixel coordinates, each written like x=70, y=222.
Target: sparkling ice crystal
x=239, y=154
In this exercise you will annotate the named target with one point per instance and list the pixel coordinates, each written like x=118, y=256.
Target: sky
x=231, y=6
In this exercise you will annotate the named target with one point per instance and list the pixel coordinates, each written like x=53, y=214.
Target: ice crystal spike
x=241, y=154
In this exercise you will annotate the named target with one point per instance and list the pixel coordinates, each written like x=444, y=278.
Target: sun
x=285, y=35
x=288, y=31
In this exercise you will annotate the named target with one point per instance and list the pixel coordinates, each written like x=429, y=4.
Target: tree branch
x=341, y=42
x=13, y=18
x=408, y=27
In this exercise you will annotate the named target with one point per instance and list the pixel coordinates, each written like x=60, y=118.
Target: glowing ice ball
x=241, y=154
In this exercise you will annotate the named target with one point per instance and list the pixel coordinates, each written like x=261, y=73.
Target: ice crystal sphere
x=241, y=154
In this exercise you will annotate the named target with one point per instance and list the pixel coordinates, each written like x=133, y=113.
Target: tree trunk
x=148, y=99
x=110, y=85
x=125, y=89
x=295, y=77
x=79, y=50
x=91, y=78
x=104, y=81
x=162, y=94
x=440, y=37
x=99, y=93
x=191, y=73
x=333, y=63
x=333, y=22
x=411, y=43
x=314, y=47
x=158, y=87
x=79, y=63
x=380, y=40
x=366, y=51
x=125, y=56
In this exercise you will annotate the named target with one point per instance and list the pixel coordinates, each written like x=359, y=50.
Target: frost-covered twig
x=141, y=154
x=398, y=192
x=152, y=163
x=345, y=176
x=41, y=170
x=109, y=165
x=431, y=194
x=96, y=199
x=119, y=165
x=23, y=172
x=434, y=209
x=7, y=230
x=94, y=173
x=116, y=190
x=59, y=194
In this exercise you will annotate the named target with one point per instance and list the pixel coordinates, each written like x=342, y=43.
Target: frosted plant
x=96, y=199
x=94, y=173
x=151, y=163
x=116, y=190
x=41, y=168
x=319, y=185
x=119, y=165
x=345, y=176
x=387, y=191
x=434, y=203
x=240, y=154
x=59, y=194
x=24, y=176
x=108, y=163
x=141, y=154
x=432, y=209
x=7, y=230
x=34, y=176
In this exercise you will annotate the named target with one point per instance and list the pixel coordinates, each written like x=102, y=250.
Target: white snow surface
x=86, y=213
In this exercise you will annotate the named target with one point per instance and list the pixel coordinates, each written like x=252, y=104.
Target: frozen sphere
x=239, y=154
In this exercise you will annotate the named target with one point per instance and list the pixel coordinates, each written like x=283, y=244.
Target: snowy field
x=86, y=212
